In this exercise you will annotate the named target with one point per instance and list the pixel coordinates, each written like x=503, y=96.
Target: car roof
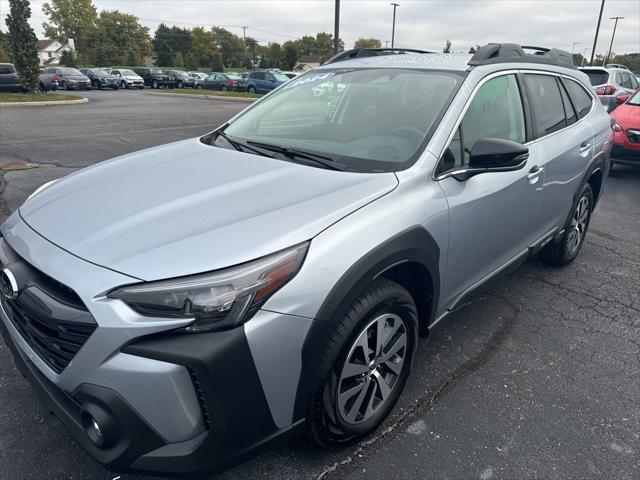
x=435, y=61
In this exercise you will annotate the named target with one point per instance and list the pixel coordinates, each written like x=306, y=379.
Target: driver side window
x=495, y=112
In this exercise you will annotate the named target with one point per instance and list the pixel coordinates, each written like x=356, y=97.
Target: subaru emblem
x=8, y=284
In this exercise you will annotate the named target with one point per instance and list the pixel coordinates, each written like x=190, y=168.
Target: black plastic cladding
x=513, y=53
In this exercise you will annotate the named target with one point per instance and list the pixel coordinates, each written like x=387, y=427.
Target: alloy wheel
x=579, y=224
x=372, y=368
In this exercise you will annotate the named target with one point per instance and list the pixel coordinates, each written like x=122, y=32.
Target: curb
x=43, y=104
x=208, y=97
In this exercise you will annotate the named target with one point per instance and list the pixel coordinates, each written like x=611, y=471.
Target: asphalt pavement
x=537, y=377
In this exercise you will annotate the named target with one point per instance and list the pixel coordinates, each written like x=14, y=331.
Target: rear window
x=4, y=69
x=70, y=71
x=580, y=98
x=546, y=102
x=597, y=77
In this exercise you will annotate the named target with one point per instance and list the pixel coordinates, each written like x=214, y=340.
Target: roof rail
x=369, y=52
x=616, y=65
x=513, y=53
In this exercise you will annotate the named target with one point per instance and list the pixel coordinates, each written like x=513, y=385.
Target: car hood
x=187, y=207
x=628, y=116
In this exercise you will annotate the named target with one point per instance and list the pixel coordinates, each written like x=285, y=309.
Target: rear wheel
x=154, y=84
x=365, y=365
x=251, y=89
x=223, y=88
x=566, y=248
x=180, y=84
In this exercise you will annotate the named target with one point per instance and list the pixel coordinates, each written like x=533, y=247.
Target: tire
x=123, y=84
x=198, y=87
x=223, y=88
x=64, y=86
x=154, y=84
x=347, y=400
x=180, y=85
x=251, y=89
x=565, y=250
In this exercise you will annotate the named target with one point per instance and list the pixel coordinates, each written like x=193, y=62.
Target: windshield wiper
x=292, y=153
x=241, y=146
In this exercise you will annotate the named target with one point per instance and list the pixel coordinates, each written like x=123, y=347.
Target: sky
x=423, y=24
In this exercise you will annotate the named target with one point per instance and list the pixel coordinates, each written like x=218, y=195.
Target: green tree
x=324, y=45
x=23, y=44
x=120, y=39
x=191, y=61
x=203, y=47
x=307, y=45
x=367, y=43
x=5, y=55
x=68, y=59
x=229, y=45
x=216, y=63
x=163, y=45
x=630, y=60
x=252, y=50
x=290, y=54
x=71, y=20
x=178, y=60
x=447, y=47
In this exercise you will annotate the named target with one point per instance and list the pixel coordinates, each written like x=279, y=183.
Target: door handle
x=585, y=147
x=534, y=174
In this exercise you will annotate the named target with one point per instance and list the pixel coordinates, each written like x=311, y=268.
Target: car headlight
x=217, y=300
x=617, y=128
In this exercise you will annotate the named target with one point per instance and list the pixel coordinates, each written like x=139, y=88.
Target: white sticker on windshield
x=310, y=79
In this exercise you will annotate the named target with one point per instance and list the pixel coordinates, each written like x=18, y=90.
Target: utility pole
x=584, y=56
x=595, y=40
x=393, y=28
x=336, y=29
x=615, y=25
x=573, y=47
x=244, y=47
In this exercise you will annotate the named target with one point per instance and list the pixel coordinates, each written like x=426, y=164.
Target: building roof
x=45, y=43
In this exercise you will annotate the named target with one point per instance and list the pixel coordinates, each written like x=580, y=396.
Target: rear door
x=565, y=143
x=9, y=80
x=494, y=217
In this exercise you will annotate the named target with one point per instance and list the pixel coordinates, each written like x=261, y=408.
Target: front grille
x=50, y=316
x=633, y=136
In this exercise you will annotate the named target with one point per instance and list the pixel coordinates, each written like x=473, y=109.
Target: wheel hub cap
x=579, y=224
x=372, y=368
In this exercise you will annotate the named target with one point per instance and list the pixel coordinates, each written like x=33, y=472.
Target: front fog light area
x=217, y=300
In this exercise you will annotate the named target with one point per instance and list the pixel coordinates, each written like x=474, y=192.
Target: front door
x=494, y=216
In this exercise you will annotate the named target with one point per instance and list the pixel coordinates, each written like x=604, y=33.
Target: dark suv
x=101, y=78
x=155, y=77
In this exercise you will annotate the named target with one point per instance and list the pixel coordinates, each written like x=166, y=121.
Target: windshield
x=156, y=71
x=281, y=77
x=635, y=99
x=70, y=71
x=597, y=77
x=233, y=76
x=370, y=119
x=128, y=73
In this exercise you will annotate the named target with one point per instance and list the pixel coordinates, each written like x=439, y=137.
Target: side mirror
x=495, y=154
x=620, y=99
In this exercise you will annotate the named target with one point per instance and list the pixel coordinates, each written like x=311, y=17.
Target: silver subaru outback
x=184, y=306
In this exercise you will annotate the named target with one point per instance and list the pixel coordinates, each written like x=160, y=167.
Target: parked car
x=101, y=78
x=128, y=78
x=198, y=75
x=48, y=81
x=10, y=80
x=610, y=82
x=154, y=77
x=220, y=81
x=262, y=82
x=291, y=74
x=181, y=307
x=69, y=78
x=626, y=139
x=181, y=79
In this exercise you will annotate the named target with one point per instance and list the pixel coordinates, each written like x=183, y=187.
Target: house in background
x=307, y=62
x=50, y=51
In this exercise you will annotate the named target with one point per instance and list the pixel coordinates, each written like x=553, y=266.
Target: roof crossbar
x=513, y=53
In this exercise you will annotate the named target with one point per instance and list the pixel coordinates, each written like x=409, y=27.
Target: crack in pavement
x=428, y=401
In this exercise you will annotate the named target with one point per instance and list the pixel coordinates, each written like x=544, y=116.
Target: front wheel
x=365, y=365
x=565, y=250
x=251, y=89
x=154, y=84
x=123, y=84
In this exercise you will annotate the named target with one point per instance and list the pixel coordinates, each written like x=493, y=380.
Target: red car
x=626, y=139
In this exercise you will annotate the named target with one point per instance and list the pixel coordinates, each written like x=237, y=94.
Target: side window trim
x=436, y=175
x=566, y=78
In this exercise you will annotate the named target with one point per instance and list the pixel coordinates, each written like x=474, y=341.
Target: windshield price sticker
x=310, y=79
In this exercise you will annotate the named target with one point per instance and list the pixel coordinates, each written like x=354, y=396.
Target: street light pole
x=573, y=47
x=595, y=40
x=393, y=28
x=615, y=25
x=244, y=47
x=336, y=29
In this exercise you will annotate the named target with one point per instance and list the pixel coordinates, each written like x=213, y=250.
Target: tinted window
x=546, y=103
x=569, y=112
x=495, y=112
x=634, y=81
x=625, y=80
x=580, y=98
x=597, y=77
x=4, y=69
x=258, y=76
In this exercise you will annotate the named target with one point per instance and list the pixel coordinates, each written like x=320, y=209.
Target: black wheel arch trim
x=413, y=245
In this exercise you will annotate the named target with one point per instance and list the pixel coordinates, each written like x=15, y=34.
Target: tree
x=5, y=55
x=23, y=44
x=163, y=45
x=191, y=61
x=120, y=39
x=203, y=47
x=447, y=47
x=252, y=47
x=290, y=54
x=178, y=60
x=307, y=45
x=216, y=63
x=473, y=49
x=230, y=46
x=631, y=60
x=68, y=59
x=367, y=43
x=71, y=20
x=324, y=45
